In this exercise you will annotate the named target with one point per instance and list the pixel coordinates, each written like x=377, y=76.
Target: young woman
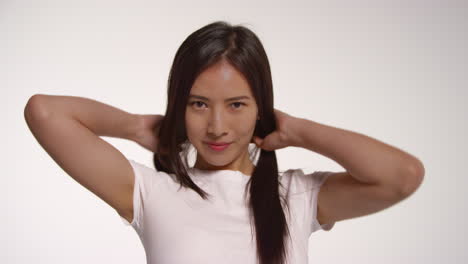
x=232, y=205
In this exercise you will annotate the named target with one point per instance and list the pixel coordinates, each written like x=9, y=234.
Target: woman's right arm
x=69, y=129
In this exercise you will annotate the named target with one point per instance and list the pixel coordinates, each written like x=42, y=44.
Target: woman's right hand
x=146, y=135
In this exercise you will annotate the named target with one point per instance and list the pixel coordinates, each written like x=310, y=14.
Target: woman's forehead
x=221, y=75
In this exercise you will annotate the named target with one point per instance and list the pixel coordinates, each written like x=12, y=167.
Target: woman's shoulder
x=298, y=180
x=149, y=174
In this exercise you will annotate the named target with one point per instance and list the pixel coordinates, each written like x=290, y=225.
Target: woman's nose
x=217, y=124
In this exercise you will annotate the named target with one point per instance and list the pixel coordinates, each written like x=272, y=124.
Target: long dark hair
x=240, y=47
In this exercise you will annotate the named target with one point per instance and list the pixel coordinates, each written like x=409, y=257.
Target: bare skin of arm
x=377, y=174
x=69, y=130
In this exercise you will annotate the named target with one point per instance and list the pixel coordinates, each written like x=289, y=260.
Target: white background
x=393, y=70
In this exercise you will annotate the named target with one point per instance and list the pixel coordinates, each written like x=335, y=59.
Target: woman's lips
x=218, y=147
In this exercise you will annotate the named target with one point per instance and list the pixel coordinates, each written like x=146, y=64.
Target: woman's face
x=221, y=109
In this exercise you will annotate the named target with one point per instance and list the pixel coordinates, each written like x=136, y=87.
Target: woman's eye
x=238, y=103
x=197, y=103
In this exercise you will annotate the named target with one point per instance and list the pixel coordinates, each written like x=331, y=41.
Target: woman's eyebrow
x=227, y=100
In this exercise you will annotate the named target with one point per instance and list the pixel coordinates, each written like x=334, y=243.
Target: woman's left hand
x=281, y=137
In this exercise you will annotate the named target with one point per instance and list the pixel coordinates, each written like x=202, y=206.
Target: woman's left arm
x=366, y=159
x=377, y=175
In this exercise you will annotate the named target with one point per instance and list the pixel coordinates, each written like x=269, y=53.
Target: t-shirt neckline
x=220, y=174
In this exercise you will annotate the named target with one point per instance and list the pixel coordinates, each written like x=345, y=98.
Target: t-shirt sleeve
x=143, y=185
x=318, y=178
x=302, y=190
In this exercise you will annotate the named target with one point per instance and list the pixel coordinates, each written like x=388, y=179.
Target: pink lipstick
x=218, y=147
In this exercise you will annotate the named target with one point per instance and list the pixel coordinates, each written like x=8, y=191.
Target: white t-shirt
x=176, y=226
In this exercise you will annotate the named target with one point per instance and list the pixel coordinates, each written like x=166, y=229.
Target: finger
x=265, y=143
x=270, y=143
x=258, y=141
